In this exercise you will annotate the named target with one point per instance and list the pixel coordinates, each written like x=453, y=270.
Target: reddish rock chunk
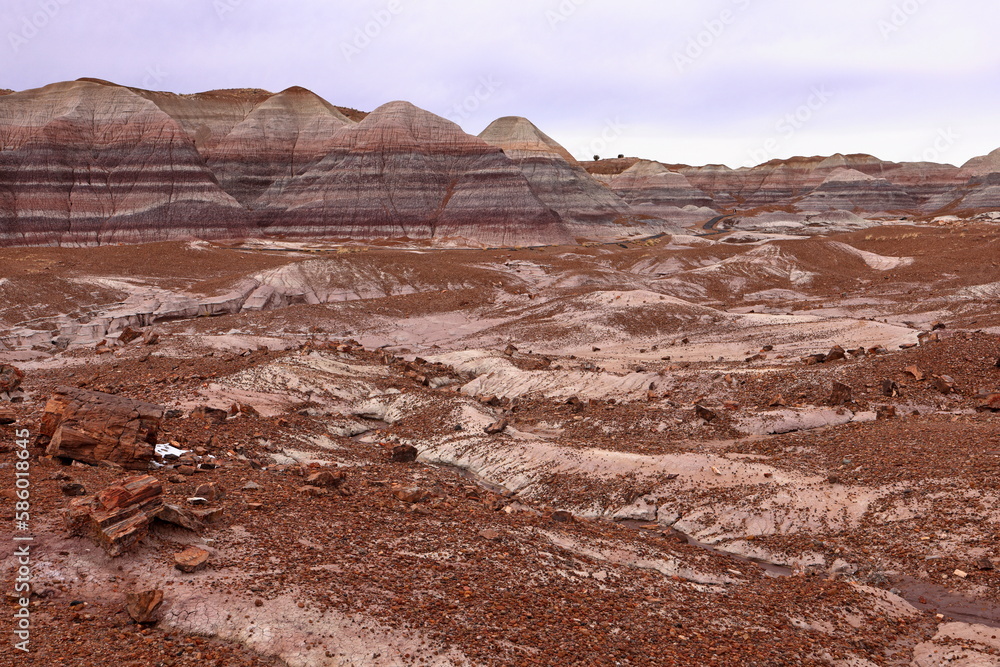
x=210, y=492
x=704, y=413
x=247, y=409
x=211, y=414
x=491, y=400
x=841, y=394
x=131, y=491
x=91, y=427
x=119, y=516
x=179, y=516
x=915, y=371
x=327, y=478
x=944, y=384
x=128, y=335
x=404, y=454
x=142, y=606
x=7, y=416
x=410, y=494
x=928, y=337
x=10, y=378
x=210, y=515
x=836, y=353
x=990, y=404
x=884, y=412
x=191, y=559
x=890, y=389
x=497, y=427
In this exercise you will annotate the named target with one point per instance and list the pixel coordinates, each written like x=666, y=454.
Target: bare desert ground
x=731, y=449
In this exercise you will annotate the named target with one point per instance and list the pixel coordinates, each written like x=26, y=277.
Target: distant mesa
x=652, y=184
x=982, y=165
x=91, y=162
x=846, y=189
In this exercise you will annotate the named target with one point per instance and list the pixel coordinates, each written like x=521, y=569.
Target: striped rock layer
x=555, y=177
x=404, y=172
x=91, y=162
x=86, y=163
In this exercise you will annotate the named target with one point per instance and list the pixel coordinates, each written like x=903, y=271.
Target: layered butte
x=847, y=189
x=85, y=163
x=404, y=172
x=90, y=162
x=555, y=177
x=651, y=185
x=281, y=138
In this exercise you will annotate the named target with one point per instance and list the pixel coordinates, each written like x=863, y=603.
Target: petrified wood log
x=10, y=378
x=142, y=606
x=119, y=516
x=91, y=427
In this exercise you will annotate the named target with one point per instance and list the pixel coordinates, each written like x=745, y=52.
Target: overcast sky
x=694, y=81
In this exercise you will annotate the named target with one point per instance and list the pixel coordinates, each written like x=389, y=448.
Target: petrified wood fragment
x=91, y=427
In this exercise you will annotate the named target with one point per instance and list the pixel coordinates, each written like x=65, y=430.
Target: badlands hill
x=554, y=175
x=91, y=162
x=809, y=184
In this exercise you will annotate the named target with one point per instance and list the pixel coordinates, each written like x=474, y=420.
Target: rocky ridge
x=91, y=162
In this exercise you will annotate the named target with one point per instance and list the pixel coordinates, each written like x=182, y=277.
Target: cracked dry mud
x=608, y=522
